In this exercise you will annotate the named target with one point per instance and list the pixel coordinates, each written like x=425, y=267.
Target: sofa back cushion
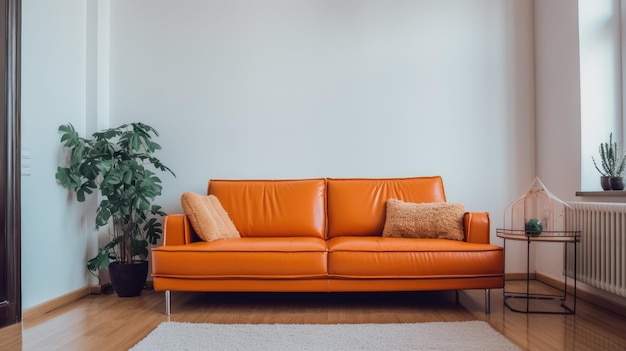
x=269, y=208
x=356, y=207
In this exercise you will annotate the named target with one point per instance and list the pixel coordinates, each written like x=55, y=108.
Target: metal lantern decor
x=536, y=211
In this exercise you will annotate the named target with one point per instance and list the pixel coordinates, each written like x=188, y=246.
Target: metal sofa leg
x=167, y=302
x=487, y=301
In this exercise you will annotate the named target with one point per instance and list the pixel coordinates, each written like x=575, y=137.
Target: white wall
x=284, y=89
x=276, y=89
x=558, y=97
x=575, y=100
x=558, y=112
x=55, y=231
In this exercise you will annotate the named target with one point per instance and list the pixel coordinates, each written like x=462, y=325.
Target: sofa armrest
x=176, y=230
x=476, y=225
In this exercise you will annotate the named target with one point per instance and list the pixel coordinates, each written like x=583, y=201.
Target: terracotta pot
x=617, y=183
x=605, y=182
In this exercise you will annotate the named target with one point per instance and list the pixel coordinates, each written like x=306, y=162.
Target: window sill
x=607, y=193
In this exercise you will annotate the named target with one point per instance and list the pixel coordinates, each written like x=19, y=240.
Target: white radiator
x=602, y=247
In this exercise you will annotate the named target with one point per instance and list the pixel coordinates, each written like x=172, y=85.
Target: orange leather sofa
x=323, y=235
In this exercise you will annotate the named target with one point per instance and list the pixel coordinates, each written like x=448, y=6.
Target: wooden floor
x=107, y=322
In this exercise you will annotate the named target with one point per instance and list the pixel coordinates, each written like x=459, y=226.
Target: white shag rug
x=474, y=335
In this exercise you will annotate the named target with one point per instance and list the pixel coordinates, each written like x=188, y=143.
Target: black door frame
x=10, y=203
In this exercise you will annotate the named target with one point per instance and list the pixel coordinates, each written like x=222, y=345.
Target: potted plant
x=533, y=227
x=115, y=163
x=613, y=164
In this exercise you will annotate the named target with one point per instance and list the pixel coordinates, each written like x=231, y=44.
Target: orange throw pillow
x=439, y=220
x=207, y=217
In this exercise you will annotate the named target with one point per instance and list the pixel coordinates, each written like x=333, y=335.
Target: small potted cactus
x=612, y=163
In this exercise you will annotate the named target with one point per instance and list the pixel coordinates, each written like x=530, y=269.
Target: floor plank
x=107, y=322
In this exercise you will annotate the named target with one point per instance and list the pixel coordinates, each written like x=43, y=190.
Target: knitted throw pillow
x=424, y=220
x=207, y=217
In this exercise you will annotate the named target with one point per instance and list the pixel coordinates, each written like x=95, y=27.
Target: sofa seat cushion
x=378, y=257
x=259, y=258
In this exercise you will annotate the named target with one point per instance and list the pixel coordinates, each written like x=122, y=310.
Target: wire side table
x=565, y=237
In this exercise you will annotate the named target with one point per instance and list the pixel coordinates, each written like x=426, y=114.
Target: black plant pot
x=128, y=279
x=605, y=182
x=617, y=183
